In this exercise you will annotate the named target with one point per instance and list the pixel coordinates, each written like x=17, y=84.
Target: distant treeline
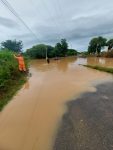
x=60, y=50
x=41, y=50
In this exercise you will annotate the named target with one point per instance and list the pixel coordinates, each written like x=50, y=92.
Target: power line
x=46, y=9
x=53, y=19
x=63, y=16
x=12, y=10
x=58, y=12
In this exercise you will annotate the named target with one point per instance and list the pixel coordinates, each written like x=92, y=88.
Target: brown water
x=31, y=119
x=105, y=62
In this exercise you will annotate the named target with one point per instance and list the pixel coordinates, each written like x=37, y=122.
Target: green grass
x=16, y=85
x=11, y=79
x=105, y=69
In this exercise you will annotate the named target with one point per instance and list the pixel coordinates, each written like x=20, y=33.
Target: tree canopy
x=96, y=45
x=60, y=50
x=12, y=45
x=64, y=46
x=109, y=44
x=38, y=51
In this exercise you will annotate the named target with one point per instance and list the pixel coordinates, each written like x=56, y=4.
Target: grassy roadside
x=5, y=97
x=11, y=79
x=104, y=69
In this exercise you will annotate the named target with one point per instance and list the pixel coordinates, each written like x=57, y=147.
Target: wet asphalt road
x=88, y=123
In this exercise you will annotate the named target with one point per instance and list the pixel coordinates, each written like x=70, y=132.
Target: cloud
x=50, y=20
x=9, y=23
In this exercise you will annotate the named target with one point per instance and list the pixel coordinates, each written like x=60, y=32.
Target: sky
x=51, y=20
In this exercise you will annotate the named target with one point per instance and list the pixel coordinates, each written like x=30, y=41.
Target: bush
x=107, y=54
x=8, y=70
x=103, y=54
x=71, y=52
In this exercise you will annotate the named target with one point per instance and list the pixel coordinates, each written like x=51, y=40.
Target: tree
x=71, y=52
x=64, y=46
x=92, y=46
x=109, y=44
x=101, y=42
x=14, y=45
x=90, y=49
x=61, y=48
x=38, y=51
x=96, y=44
x=58, y=50
x=50, y=51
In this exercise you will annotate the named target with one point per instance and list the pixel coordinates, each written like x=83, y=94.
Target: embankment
x=100, y=68
x=10, y=78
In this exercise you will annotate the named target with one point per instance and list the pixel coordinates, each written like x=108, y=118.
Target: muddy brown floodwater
x=30, y=121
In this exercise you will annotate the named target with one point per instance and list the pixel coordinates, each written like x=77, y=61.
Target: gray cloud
x=9, y=23
x=76, y=20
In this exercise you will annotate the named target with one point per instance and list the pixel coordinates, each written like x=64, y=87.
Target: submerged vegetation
x=100, y=68
x=10, y=77
x=108, y=54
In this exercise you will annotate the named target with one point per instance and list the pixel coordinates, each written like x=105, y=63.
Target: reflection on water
x=105, y=62
x=61, y=65
x=31, y=119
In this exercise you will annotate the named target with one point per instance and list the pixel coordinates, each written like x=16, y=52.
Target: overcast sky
x=76, y=20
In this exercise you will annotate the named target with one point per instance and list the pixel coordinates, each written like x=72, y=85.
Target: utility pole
x=47, y=59
x=46, y=53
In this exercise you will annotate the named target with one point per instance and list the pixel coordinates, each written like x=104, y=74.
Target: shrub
x=109, y=54
x=8, y=70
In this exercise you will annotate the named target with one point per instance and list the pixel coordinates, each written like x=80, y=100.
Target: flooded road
x=30, y=121
x=104, y=62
